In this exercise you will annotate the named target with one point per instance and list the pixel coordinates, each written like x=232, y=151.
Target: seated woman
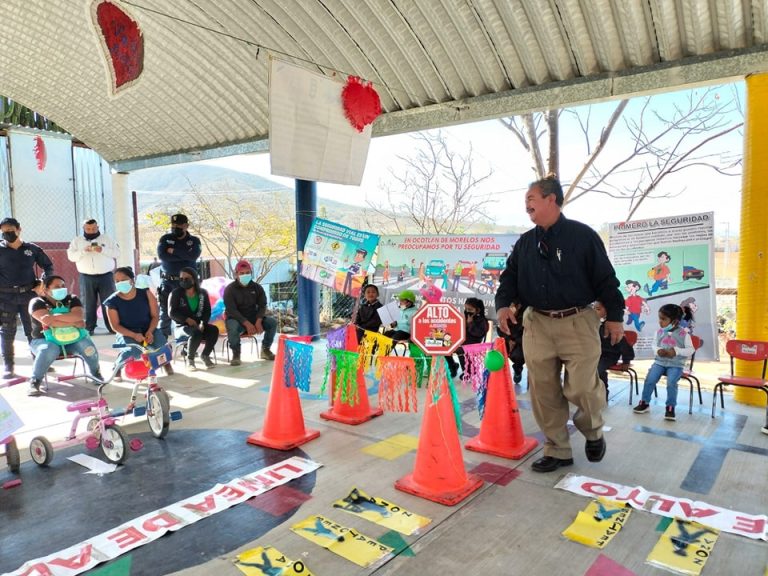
x=190, y=308
x=133, y=314
x=58, y=328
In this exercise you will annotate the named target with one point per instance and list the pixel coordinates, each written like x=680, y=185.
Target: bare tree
x=659, y=140
x=436, y=191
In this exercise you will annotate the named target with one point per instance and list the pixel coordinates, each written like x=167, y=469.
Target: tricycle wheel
x=41, y=450
x=114, y=444
x=12, y=456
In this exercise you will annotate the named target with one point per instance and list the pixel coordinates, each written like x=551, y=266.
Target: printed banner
x=667, y=260
x=345, y=542
x=309, y=136
x=462, y=267
x=267, y=561
x=337, y=256
x=9, y=420
x=598, y=523
x=732, y=521
x=381, y=512
x=149, y=527
x=683, y=548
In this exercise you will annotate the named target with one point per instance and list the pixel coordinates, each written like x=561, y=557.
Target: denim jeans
x=94, y=289
x=235, y=329
x=655, y=373
x=46, y=353
x=126, y=353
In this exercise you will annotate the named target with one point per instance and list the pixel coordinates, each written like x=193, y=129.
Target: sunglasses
x=543, y=249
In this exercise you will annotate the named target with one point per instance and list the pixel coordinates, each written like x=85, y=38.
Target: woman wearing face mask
x=133, y=314
x=190, y=308
x=56, y=311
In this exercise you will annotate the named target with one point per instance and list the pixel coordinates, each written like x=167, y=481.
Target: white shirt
x=92, y=262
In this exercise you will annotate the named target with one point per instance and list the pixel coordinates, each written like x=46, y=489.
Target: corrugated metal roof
x=434, y=62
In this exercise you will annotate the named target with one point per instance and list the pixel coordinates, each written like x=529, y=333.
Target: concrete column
x=124, y=233
x=752, y=305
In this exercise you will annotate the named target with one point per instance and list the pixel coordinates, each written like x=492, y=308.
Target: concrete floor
x=510, y=527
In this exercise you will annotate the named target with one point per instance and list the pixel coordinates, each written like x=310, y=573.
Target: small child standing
x=673, y=346
x=611, y=353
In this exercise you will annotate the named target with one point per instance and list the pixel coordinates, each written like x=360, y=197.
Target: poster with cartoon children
x=667, y=260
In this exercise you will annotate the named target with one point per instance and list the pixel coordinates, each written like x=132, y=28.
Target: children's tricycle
x=100, y=430
x=143, y=372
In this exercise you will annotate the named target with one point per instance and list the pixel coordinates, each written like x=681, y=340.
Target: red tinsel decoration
x=123, y=41
x=361, y=103
x=40, y=153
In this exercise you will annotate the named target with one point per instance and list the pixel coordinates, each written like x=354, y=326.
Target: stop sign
x=438, y=329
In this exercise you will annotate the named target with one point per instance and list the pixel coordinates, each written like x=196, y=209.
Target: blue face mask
x=124, y=286
x=59, y=293
x=245, y=279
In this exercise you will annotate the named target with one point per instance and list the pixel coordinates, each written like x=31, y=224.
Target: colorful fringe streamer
x=439, y=378
x=423, y=364
x=474, y=364
x=481, y=392
x=297, y=368
x=397, y=386
x=346, y=370
x=373, y=346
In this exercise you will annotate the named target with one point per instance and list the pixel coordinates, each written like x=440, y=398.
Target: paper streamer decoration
x=361, y=103
x=474, y=364
x=598, y=523
x=345, y=542
x=373, y=346
x=122, y=41
x=684, y=547
x=346, y=363
x=438, y=377
x=268, y=561
x=297, y=369
x=397, y=384
x=381, y=512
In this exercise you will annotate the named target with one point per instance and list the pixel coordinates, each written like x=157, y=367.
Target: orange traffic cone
x=341, y=411
x=284, y=422
x=439, y=473
x=501, y=431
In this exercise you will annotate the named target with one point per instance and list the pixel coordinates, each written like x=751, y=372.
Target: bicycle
x=488, y=287
x=157, y=405
x=101, y=430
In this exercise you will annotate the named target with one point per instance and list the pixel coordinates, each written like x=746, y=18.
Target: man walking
x=555, y=272
x=94, y=255
x=245, y=305
x=17, y=278
x=176, y=250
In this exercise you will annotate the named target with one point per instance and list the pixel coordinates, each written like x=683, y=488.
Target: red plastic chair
x=627, y=368
x=690, y=376
x=750, y=351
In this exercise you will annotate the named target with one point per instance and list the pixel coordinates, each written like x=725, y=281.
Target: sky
x=695, y=190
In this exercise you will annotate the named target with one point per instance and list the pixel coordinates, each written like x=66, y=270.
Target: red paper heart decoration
x=123, y=42
x=361, y=103
x=40, y=154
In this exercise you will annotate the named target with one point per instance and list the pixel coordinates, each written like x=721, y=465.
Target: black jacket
x=367, y=317
x=245, y=302
x=179, y=310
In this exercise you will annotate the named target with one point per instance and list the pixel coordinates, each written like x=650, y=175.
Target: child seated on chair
x=58, y=328
x=475, y=331
x=401, y=330
x=367, y=317
x=673, y=346
x=610, y=353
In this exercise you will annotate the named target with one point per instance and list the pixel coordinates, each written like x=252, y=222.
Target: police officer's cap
x=179, y=219
x=12, y=221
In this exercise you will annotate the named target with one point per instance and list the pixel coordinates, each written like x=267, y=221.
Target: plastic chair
x=180, y=350
x=690, y=376
x=243, y=336
x=634, y=381
x=749, y=351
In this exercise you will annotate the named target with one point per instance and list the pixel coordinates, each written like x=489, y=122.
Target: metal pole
x=308, y=294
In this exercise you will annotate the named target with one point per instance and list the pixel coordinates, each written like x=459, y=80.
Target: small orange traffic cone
x=439, y=473
x=341, y=411
x=501, y=431
x=284, y=421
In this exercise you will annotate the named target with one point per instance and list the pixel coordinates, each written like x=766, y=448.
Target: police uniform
x=17, y=278
x=186, y=251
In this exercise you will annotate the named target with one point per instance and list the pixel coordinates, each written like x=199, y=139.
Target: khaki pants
x=573, y=342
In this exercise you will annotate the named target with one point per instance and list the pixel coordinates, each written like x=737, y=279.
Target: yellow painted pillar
x=752, y=304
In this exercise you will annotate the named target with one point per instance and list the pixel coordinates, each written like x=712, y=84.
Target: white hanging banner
x=309, y=136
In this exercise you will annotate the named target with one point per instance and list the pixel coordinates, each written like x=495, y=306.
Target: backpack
x=63, y=335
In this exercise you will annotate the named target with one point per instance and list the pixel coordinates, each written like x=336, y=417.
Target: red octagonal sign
x=438, y=329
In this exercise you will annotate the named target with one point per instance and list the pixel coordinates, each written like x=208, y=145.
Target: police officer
x=17, y=278
x=176, y=250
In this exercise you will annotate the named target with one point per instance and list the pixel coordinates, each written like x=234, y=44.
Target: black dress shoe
x=595, y=449
x=550, y=464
